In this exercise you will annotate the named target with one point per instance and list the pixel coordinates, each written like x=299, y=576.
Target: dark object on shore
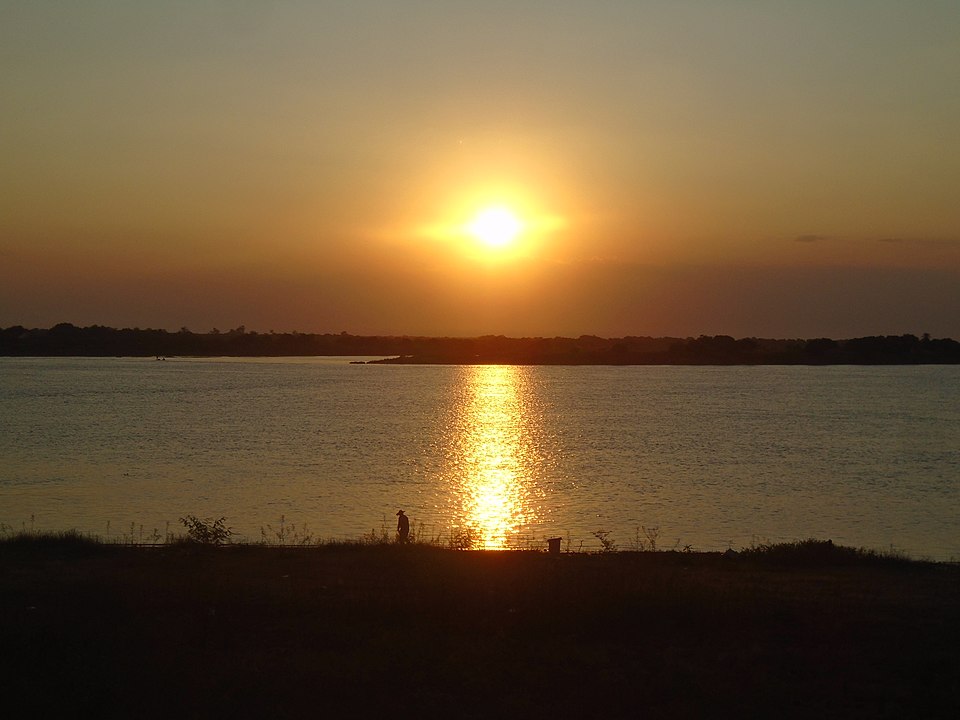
x=403, y=527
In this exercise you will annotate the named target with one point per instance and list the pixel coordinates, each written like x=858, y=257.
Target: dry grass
x=362, y=629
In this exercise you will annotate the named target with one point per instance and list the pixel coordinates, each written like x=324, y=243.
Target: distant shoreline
x=66, y=340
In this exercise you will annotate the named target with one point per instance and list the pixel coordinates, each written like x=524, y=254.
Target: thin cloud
x=935, y=242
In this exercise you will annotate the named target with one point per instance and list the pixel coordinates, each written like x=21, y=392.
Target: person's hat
x=399, y=512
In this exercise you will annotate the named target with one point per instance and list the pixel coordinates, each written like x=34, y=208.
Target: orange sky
x=678, y=168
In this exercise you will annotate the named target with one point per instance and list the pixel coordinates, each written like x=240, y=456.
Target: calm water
x=713, y=457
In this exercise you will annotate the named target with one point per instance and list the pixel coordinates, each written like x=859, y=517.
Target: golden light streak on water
x=492, y=456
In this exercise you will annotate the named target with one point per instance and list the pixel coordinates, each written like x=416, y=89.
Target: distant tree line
x=99, y=341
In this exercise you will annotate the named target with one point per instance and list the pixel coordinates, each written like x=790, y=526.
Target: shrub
x=813, y=552
x=606, y=544
x=465, y=538
x=206, y=531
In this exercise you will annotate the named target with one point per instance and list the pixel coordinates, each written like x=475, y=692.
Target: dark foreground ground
x=422, y=632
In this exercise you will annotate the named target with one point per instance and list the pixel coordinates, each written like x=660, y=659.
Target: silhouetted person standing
x=403, y=527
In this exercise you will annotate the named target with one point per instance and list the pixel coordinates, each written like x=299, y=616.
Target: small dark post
x=554, y=545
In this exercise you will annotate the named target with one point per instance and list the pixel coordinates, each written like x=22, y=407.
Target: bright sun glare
x=495, y=227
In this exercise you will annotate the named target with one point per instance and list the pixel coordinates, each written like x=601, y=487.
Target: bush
x=206, y=531
x=813, y=552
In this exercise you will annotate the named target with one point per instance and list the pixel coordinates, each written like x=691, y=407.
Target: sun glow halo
x=495, y=227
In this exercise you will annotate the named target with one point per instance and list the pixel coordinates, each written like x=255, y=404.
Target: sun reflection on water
x=493, y=458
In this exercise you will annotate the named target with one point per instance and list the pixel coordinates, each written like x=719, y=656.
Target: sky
x=751, y=168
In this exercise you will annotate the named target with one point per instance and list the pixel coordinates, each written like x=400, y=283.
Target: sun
x=495, y=227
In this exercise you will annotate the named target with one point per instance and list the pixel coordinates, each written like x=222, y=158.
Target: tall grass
x=68, y=541
x=214, y=532
x=820, y=552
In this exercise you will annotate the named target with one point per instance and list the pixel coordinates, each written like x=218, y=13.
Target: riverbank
x=355, y=630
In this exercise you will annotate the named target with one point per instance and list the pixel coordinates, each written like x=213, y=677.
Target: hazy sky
x=781, y=169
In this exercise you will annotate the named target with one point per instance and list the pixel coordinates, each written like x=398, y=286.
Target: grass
x=364, y=628
x=61, y=541
x=822, y=553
